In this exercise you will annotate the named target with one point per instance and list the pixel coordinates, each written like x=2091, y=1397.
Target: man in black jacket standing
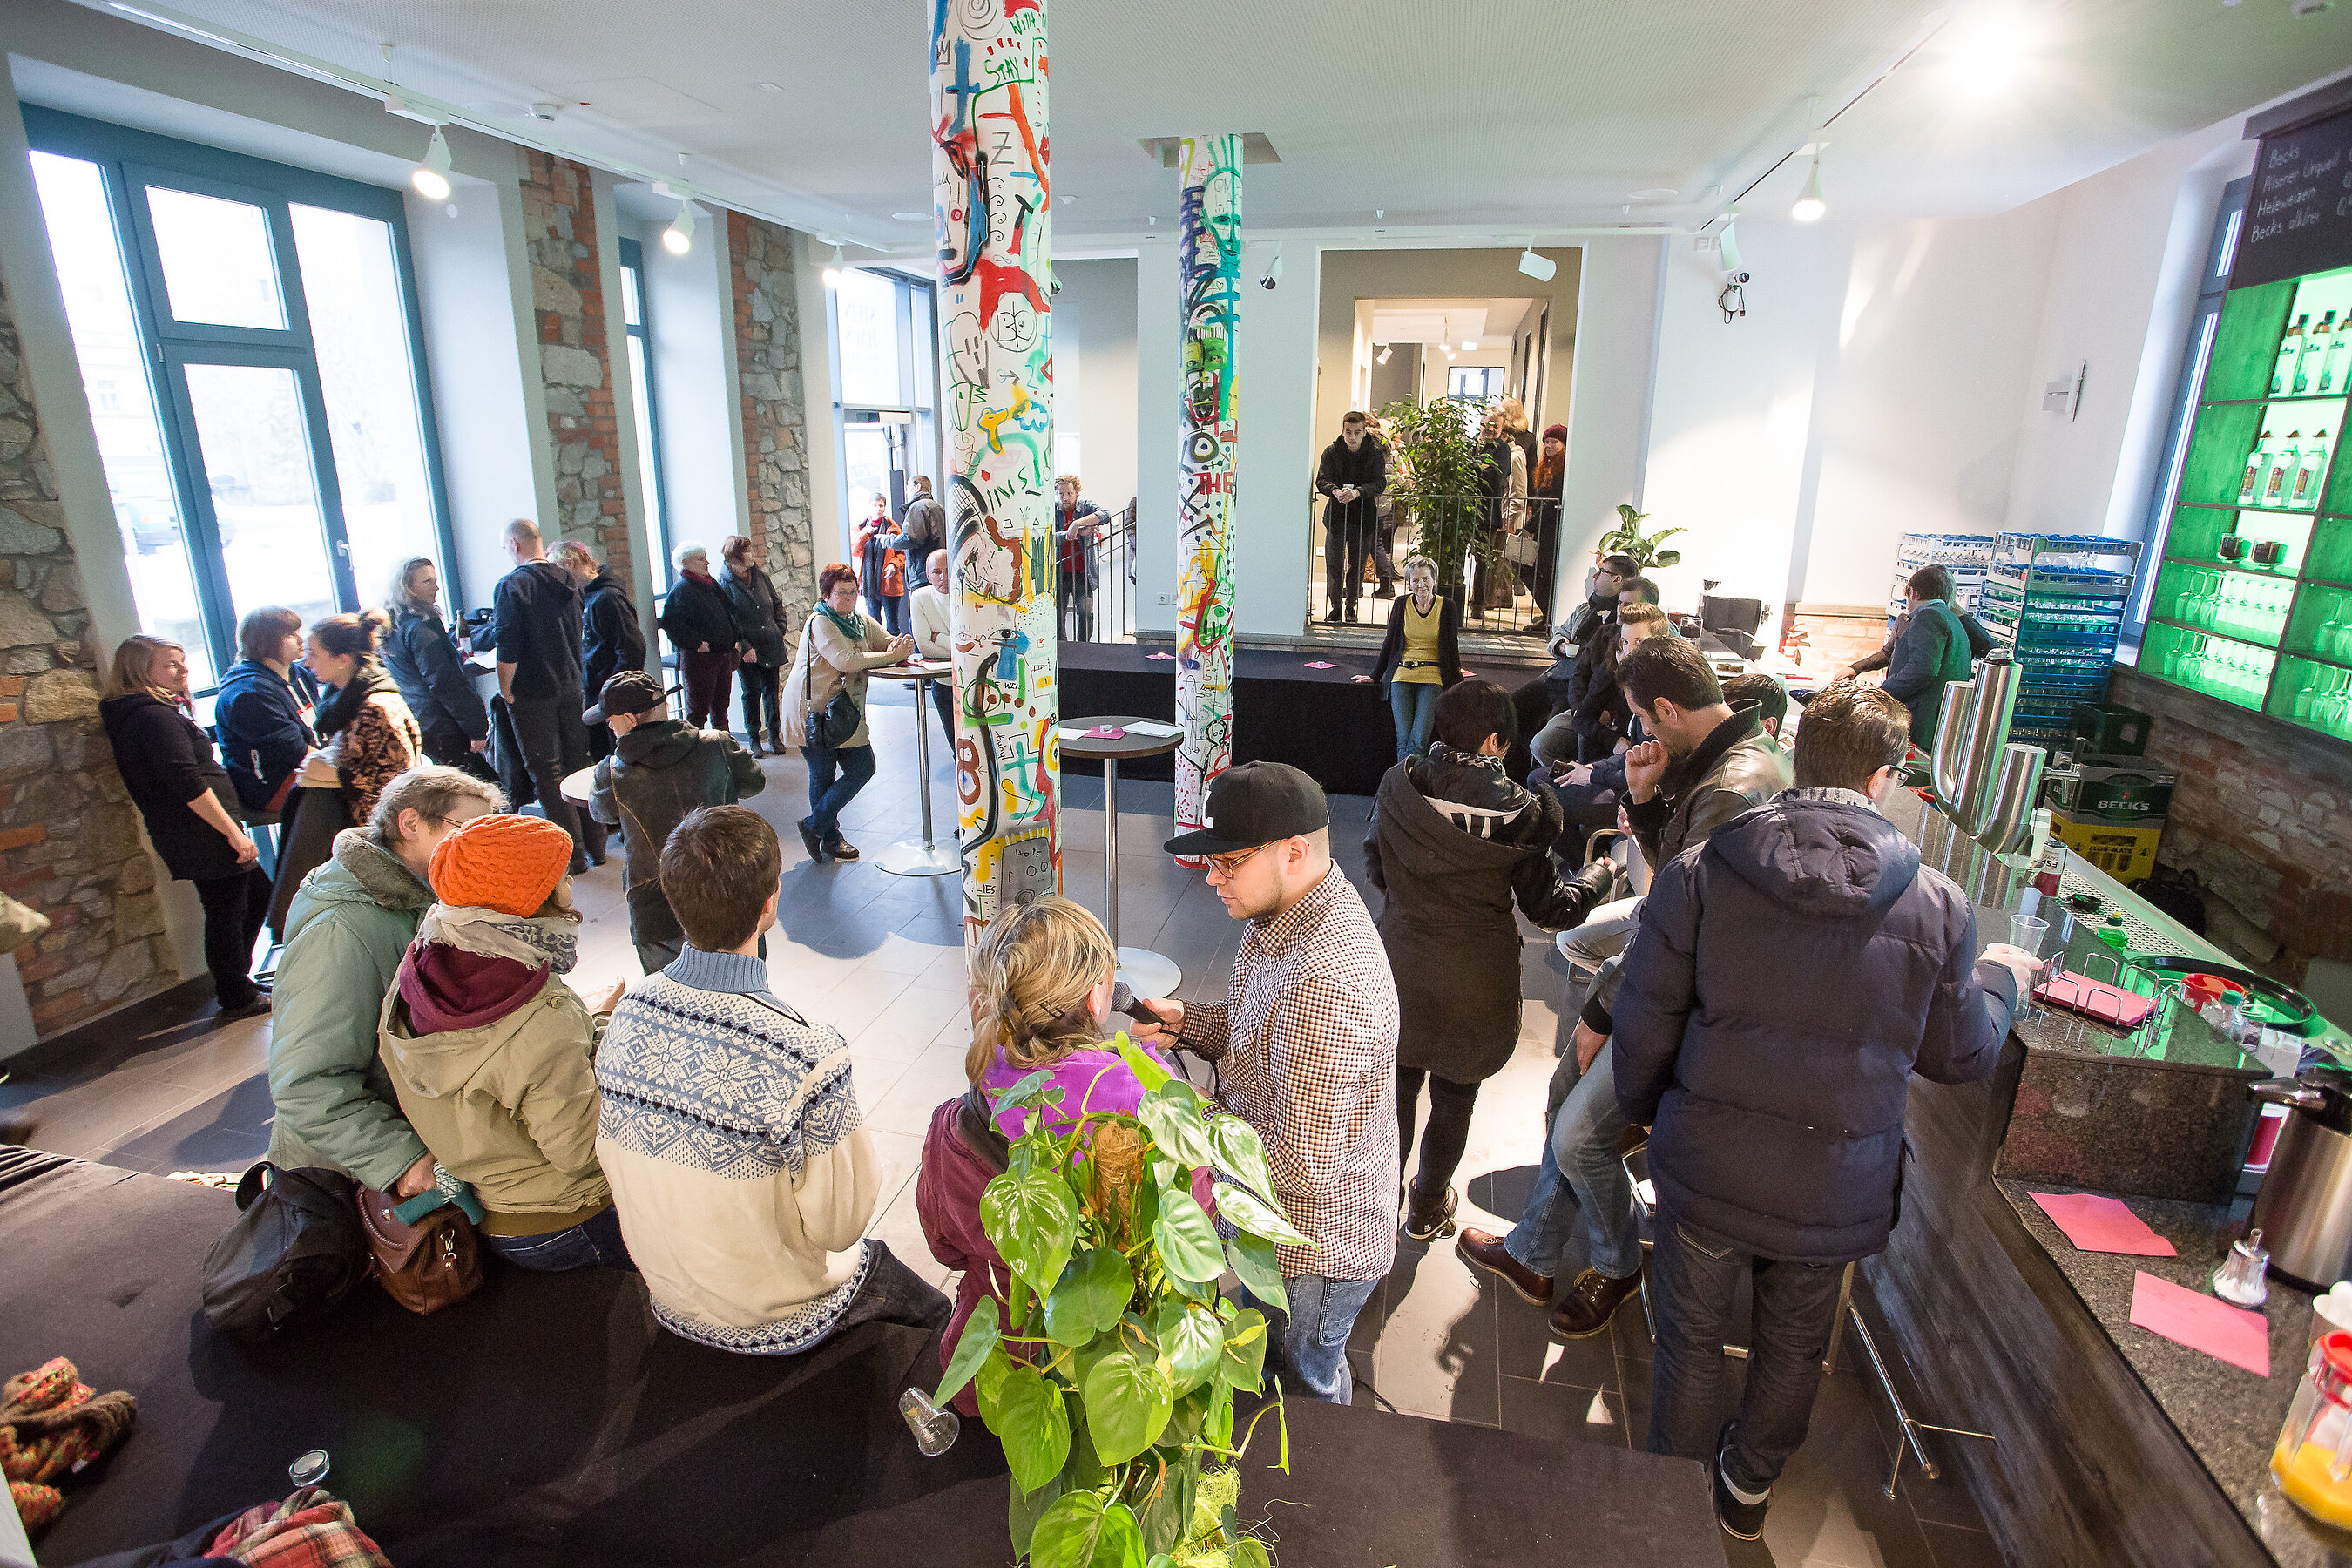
x=536, y=614
x=610, y=638
x=1776, y=1101
x=1353, y=473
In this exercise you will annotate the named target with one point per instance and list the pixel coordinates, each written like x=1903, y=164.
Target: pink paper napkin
x=1320, y=664
x=1149, y=655
x=1106, y=732
x=2202, y=1324
x=2096, y=1224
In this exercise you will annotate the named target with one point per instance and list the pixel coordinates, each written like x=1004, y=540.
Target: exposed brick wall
x=70, y=842
x=2263, y=814
x=775, y=423
x=559, y=211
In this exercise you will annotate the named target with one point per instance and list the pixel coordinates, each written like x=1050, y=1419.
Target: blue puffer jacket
x=264, y=721
x=1790, y=975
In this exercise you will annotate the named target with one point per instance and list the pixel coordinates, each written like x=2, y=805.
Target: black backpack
x=295, y=1250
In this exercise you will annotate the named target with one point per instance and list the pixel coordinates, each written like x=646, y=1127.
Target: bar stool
x=1636, y=1164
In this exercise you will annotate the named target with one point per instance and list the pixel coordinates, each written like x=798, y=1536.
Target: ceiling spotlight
x=1382, y=357
x=834, y=270
x=1449, y=350
x=431, y=177
x=1540, y=267
x=1987, y=52
x=679, y=237
x=1811, y=205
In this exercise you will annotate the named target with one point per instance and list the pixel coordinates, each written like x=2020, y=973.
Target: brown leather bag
x=425, y=1267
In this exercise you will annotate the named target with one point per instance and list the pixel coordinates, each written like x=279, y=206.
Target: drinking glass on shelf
x=2305, y=695
x=2329, y=636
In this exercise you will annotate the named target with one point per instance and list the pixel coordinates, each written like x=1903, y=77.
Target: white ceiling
x=1455, y=322
x=1507, y=116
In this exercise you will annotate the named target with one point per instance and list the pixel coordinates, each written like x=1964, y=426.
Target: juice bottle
x=2331, y=364
x=2257, y=464
x=2314, y=351
x=2290, y=351
x=2280, y=473
x=2311, y=462
x=2313, y=1458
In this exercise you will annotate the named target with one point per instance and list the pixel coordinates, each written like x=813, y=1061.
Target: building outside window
x=636, y=312
x=885, y=354
x=250, y=338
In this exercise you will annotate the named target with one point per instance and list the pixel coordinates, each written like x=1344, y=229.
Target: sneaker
x=1484, y=1251
x=1740, y=1521
x=841, y=849
x=1332, y=619
x=1589, y=1303
x=809, y=837
x=1426, y=1221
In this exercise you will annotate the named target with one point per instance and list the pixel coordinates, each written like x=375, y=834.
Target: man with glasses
x=1306, y=1041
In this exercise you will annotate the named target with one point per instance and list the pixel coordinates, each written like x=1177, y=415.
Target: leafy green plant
x=1629, y=540
x=1109, y=1376
x=1442, y=494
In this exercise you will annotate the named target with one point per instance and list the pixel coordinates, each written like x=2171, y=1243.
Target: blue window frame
x=261, y=421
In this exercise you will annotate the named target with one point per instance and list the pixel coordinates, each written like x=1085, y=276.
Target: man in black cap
x=1308, y=1039
x=660, y=770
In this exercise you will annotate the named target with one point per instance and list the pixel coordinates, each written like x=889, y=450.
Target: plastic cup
x=2026, y=931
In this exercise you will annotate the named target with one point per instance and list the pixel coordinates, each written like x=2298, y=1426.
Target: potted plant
x=1110, y=1374
x=1442, y=494
x=1629, y=540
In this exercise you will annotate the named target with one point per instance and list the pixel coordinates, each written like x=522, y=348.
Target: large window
x=636, y=312
x=885, y=379
x=247, y=334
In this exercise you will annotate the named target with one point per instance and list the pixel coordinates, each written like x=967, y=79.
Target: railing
x=1107, y=613
x=1498, y=590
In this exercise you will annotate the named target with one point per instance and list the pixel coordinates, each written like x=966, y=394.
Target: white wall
x=1157, y=308
x=1609, y=394
x=1095, y=384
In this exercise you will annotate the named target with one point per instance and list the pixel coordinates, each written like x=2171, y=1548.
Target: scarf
x=852, y=625
x=542, y=941
x=370, y=680
x=702, y=578
x=470, y=967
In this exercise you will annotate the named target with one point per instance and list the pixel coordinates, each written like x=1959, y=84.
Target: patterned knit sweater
x=731, y=1135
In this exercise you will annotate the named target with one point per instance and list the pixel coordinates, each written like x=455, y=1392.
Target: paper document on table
x=1157, y=729
x=2096, y=1224
x=2198, y=1320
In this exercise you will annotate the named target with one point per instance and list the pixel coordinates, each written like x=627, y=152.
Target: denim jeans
x=1315, y=1334
x=594, y=1243
x=1692, y=1277
x=1413, y=705
x=1581, y=1158
x=1604, y=933
x=836, y=775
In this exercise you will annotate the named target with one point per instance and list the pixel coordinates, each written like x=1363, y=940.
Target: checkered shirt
x=1307, y=1039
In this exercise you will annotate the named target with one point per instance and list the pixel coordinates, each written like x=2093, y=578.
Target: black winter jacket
x=264, y=721
x=537, y=629
x=1449, y=641
x=611, y=639
x=759, y=619
x=165, y=763
x=658, y=772
x=1788, y=977
x=1454, y=843
x=425, y=663
x=695, y=613
x=1366, y=468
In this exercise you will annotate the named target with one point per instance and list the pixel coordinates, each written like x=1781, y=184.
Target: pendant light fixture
x=679, y=237
x=431, y=177
x=834, y=270
x=1382, y=357
x=1540, y=267
x=1812, y=204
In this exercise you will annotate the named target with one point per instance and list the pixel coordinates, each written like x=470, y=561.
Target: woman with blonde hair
x=183, y=792
x=1041, y=993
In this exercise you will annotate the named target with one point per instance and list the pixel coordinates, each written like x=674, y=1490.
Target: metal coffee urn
x=2304, y=1204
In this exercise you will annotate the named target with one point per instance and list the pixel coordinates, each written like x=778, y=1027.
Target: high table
x=1147, y=974
x=909, y=858
x=577, y=786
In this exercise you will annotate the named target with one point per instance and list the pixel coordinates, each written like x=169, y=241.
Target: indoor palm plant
x=1110, y=1374
x=1627, y=539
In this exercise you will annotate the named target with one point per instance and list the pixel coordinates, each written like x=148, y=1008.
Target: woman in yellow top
x=1420, y=657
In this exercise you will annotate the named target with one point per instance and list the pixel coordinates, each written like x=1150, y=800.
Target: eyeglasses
x=1226, y=865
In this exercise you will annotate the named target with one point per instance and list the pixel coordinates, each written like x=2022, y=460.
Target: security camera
x=542, y=112
x=1273, y=273
x=1739, y=277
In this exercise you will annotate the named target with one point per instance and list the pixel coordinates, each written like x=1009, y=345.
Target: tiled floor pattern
x=878, y=957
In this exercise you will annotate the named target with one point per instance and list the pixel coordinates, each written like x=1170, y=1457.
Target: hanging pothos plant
x=1628, y=539
x=1111, y=1373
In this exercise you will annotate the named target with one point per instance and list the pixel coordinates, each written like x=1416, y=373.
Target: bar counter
x=2115, y=1445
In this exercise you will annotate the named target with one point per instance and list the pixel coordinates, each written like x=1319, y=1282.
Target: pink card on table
x=1150, y=656
x=2202, y=1324
x=1106, y=732
x=1320, y=664
x=2095, y=1223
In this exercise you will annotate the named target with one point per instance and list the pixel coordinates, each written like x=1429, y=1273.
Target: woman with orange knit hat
x=493, y=1056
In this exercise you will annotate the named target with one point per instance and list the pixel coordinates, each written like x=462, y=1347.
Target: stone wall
x=69, y=843
x=775, y=421
x=559, y=211
x=2263, y=814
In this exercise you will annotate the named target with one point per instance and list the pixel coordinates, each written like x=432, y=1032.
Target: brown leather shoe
x=1483, y=1251
x=1589, y=1303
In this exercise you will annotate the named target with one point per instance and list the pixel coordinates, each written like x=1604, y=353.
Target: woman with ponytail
x=367, y=738
x=1041, y=991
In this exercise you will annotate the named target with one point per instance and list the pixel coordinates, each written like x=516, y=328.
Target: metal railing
x=1497, y=588
x=1106, y=612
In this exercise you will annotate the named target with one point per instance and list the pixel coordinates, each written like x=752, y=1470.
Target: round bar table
x=578, y=785
x=911, y=858
x=1147, y=974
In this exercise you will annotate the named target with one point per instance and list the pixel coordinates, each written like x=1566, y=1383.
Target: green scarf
x=853, y=626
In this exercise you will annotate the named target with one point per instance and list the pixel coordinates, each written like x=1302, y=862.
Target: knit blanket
x=309, y=1529
x=550, y=942
x=52, y=1422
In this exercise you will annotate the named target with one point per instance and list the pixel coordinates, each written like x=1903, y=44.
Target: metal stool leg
x=1912, y=1426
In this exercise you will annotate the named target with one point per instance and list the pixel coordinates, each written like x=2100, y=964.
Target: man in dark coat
x=1538, y=701
x=1589, y=689
x=1454, y=843
x=1776, y=1100
x=1932, y=644
x=536, y=610
x=659, y=771
x=610, y=638
x=1353, y=473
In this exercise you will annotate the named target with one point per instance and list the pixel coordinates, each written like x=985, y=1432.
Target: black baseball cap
x=632, y=691
x=1252, y=804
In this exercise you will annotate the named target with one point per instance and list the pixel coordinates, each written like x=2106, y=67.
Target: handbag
x=833, y=724
x=434, y=1263
x=295, y=1250
x=1521, y=548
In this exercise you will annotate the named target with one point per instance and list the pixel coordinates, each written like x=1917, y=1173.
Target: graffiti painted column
x=990, y=190
x=1211, y=259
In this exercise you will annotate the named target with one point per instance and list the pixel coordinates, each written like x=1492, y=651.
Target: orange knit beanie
x=501, y=862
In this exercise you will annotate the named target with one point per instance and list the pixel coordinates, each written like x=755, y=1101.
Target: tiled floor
x=878, y=957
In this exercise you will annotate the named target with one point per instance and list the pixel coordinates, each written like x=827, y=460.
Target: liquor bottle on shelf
x=2257, y=465
x=2308, y=361
x=2280, y=473
x=2331, y=364
x=2310, y=463
x=2290, y=352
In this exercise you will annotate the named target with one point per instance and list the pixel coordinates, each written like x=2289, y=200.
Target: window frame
x=921, y=447
x=128, y=161
x=656, y=485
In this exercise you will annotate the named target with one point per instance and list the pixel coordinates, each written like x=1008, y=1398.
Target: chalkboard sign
x=2299, y=214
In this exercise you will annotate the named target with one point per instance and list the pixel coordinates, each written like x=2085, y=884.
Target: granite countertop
x=2229, y=1417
